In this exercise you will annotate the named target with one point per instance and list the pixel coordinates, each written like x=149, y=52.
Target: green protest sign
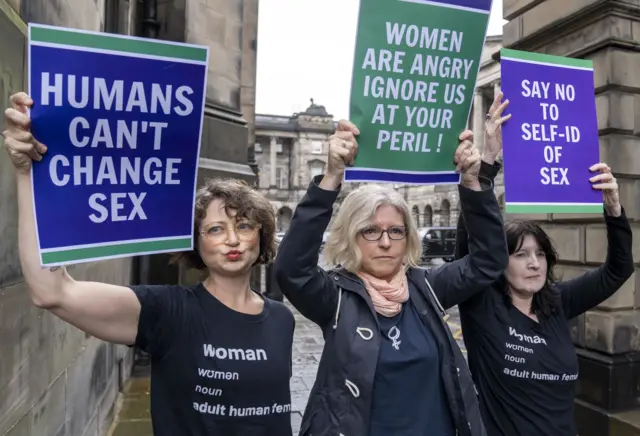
x=414, y=73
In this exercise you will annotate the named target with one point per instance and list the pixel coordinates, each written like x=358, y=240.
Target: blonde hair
x=355, y=214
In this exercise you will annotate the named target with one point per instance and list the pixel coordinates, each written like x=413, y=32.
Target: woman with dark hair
x=519, y=347
x=220, y=352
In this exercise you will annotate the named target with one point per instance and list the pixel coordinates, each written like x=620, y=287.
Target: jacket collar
x=348, y=281
x=351, y=282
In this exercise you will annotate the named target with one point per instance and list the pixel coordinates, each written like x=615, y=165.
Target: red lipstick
x=234, y=255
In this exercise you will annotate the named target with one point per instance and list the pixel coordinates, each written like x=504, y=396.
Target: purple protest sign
x=551, y=139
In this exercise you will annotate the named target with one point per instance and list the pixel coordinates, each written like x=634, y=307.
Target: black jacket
x=337, y=301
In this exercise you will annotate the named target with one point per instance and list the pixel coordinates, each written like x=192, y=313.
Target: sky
x=305, y=50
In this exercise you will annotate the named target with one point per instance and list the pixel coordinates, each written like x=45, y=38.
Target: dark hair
x=544, y=301
x=241, y=201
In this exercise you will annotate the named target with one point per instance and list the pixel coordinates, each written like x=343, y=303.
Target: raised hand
x=609, y=187
x=493, y=129
x=467, y=160
x=19, y=143
x=343, y=148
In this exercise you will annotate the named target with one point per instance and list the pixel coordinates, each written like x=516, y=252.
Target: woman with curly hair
x=219, y=351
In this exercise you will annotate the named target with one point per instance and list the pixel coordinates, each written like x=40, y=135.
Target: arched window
x=427, y=220
x=283, y=219
x=445, y=213
x=415, y=213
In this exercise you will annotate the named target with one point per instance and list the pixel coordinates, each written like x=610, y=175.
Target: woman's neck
x=522, y=302
x=234, y=292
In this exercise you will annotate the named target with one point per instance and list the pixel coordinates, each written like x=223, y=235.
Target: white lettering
x=514, y=359
x=53, y=170
x=218, y=375
x=114, y=171
x=519, y=348
x=525, y=338
x=116, y=204
x=234, y=353
x=97, y=93
x=535, y=89
x=209, y=391
x=424, y=37
x=554, y=176
x=47, y=88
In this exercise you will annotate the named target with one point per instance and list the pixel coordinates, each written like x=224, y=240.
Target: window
x=278, y=147
x=112, y=16
x=316, y=168
x=316, y=147
x=257, y=147
x=281, y=178
x=263, y=178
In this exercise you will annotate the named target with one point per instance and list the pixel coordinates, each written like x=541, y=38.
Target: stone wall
x=608, y=337
x=54, y=379
x=249, y=65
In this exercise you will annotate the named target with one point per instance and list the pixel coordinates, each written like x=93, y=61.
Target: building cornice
x=575, y=22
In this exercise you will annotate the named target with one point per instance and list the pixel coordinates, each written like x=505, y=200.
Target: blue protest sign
x=551, y=140
x=122, y=120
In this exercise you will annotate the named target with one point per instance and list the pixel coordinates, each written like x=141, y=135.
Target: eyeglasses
x=245, y=231
x=374, y=233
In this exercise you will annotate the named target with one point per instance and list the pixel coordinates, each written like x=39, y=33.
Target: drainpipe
x=150, y=24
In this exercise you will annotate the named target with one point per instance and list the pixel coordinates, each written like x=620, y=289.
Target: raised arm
x=489, y=167
x=461, y=279
x=586, y=292
x=306, y=285
x=302, y=281
x=105, y=311
x=488, y=171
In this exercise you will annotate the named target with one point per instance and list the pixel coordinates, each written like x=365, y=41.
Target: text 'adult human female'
x=517, y=333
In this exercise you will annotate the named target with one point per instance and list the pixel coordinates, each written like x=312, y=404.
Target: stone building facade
x=437, y=205
x=54, y=379
x=607, y=338
x=289, y=152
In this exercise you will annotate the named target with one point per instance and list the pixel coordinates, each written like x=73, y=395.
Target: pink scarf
x=387, y=297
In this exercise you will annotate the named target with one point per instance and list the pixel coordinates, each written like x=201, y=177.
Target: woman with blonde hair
x=390, y=365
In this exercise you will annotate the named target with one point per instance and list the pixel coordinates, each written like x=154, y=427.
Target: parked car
x=438, y=243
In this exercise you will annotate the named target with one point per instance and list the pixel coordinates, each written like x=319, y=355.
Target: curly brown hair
x=241, y=201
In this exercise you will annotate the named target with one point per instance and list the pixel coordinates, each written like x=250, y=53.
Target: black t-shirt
x=525, y=371
x=408, y=392
x=215, y=371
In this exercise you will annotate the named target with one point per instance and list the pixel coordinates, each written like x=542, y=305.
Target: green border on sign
x=553, y=208
x=121, y=249
x=117, y=43
x=507, y=53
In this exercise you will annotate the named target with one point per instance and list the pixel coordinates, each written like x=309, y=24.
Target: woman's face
x=382, y=258
x=527, y=270
x=226, y=245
